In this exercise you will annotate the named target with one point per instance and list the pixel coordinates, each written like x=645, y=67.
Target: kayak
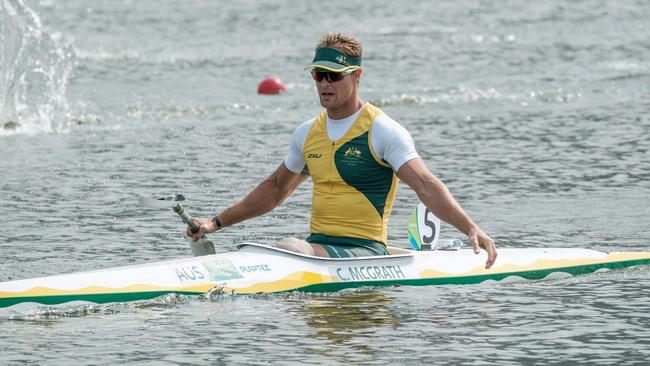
x=256, y=268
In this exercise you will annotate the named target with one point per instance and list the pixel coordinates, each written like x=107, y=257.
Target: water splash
x=35, y=68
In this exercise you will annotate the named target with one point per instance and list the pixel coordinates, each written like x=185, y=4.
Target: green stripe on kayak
x=95, y=298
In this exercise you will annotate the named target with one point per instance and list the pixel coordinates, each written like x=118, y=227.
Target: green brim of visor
x=332, y=59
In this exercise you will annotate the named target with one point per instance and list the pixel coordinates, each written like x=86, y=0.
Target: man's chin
x=326, y=102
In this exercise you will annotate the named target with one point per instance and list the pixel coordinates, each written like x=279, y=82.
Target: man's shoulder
x=304, y=126
x=301, y=132
x=384, y=122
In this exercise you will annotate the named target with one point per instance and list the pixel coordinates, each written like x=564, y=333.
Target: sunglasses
x=330, y=76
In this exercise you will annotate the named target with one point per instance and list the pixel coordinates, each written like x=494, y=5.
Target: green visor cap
x=334, y=60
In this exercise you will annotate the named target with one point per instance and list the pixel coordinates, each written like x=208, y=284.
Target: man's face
x=334, y=89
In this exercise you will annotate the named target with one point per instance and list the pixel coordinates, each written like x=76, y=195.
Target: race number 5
x=429, y=221
x=423, y=228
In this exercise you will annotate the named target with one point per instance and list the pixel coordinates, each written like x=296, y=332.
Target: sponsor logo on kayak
x=222, y=270
x=255, y=268
x=366, y=273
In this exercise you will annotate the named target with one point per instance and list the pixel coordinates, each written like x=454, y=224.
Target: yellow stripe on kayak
x=290, y=282
x=542, y=264
x=94, y=290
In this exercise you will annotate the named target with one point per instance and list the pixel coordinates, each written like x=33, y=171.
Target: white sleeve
x=392, y=142
x=295, y=161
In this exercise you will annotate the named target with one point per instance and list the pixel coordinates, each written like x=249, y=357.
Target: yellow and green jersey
x=353, y=190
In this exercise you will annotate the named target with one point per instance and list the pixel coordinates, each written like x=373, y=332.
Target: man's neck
x=345, y=110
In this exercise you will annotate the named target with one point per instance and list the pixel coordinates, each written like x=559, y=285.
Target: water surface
x=535, y=115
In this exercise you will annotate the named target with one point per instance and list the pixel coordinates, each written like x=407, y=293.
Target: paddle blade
x=423, y=228
x=164, y=202
x=202, y=247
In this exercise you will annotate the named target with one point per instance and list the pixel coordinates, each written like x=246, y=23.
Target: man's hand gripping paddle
x=200, y=247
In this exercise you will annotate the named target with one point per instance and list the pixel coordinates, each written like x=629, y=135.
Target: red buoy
x=271, y=85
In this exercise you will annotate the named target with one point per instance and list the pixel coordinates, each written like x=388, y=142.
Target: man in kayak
x=354, y=154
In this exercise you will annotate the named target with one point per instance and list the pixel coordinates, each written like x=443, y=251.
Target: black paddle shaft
x=185, y=217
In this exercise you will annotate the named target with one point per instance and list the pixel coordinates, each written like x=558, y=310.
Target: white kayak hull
x=256, y=268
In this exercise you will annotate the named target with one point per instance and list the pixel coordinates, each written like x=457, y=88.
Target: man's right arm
x=265, y=197
x=268, y=194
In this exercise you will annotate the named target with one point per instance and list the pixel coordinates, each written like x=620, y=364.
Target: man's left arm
x=435, y=195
